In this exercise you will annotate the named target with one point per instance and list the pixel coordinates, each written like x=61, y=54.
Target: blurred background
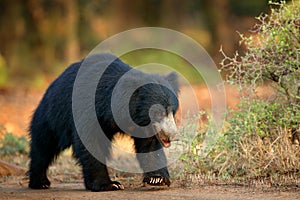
x=40, y=38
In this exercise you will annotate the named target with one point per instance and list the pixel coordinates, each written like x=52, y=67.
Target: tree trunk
x=71, y=22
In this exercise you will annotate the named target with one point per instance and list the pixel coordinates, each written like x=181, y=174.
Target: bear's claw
x=114, y=185
x=157, y=181
x=39, y=183
x=117, y=186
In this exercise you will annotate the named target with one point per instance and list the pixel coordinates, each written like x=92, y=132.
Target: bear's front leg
x=153, y=161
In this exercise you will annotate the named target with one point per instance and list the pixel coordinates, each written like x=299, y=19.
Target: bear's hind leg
x=42, y=154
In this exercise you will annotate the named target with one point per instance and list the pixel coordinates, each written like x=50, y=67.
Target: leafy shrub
x=11, y=144
x=261, y=137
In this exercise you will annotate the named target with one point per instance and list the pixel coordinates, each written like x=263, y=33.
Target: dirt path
x=67, y=183
x=76, y=191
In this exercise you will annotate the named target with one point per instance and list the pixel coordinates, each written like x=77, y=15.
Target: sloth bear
x=52, y=128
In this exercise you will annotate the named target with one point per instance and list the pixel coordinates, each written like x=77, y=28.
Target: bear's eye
x=160, y=115
x=170, y=109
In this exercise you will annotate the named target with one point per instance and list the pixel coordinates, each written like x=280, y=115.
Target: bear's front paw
x=114, y=185
x=157, y=180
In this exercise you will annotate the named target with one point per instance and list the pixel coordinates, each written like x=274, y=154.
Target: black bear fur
x=52, y=128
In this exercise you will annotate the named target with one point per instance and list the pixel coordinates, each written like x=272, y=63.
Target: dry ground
x=12, y=189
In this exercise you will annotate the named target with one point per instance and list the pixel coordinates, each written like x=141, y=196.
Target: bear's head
x=154, y=105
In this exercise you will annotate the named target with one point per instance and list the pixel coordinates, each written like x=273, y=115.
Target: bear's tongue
x=166, y=143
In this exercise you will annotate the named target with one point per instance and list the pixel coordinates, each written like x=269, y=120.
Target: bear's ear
x=172, y=78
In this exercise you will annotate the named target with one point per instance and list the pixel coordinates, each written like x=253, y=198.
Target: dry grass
x=270, y=156
x=255, y=161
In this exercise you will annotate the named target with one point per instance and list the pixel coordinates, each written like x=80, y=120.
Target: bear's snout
x=166, y=130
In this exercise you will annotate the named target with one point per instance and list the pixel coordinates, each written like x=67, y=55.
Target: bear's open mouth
x=163, y=139
x=165, y=130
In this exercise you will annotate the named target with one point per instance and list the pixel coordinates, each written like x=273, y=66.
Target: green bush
x=261, y=136
x=11, y=144
x=272, y=58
